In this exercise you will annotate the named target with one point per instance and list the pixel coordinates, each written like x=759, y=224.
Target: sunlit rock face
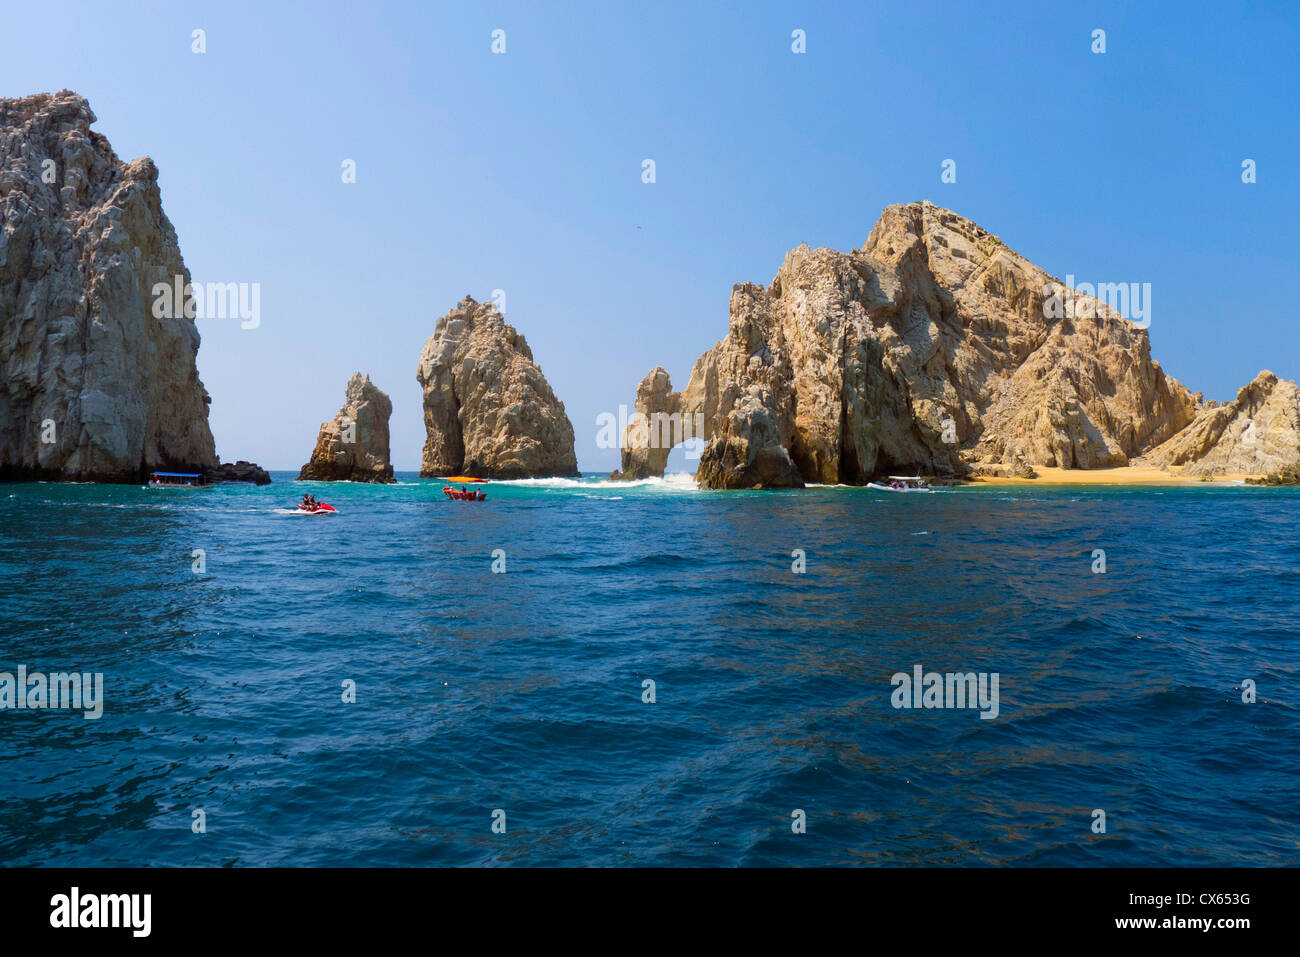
x=94, y=386
x=488, y=410
x=1258, y=433
x=655, y=428
x=933, y=349
x=354, y=446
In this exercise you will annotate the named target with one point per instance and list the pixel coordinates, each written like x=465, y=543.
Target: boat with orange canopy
x=463, y=494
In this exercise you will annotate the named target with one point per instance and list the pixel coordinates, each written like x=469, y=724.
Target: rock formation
x=1286, y=476
x=750, y=449
x=94, y=387
x=1255, y=434
x=240, y=471
x=488, y=410
x=656, y=427
x=934, y=349
x=354, y=447
x=1020, y=469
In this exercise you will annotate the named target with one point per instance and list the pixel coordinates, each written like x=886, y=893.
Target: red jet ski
x=317, y=508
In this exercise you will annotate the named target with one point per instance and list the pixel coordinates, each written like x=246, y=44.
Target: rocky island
x=934, y=348
x=354, y=446
x=488, y=410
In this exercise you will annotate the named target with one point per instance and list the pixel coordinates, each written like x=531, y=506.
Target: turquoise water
x=523, y=691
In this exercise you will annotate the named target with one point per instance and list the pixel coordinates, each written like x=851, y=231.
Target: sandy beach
x=1124, y=475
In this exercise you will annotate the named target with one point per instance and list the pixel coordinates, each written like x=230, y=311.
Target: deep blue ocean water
x=523, y=691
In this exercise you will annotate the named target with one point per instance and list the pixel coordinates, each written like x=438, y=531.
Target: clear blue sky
x=522, y=171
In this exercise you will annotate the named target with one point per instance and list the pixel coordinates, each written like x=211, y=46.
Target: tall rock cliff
x=354, y=447
x=93, y=385
x=933, y=348
x=488, y=410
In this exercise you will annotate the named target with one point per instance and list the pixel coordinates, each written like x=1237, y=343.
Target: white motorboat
x=901, y=483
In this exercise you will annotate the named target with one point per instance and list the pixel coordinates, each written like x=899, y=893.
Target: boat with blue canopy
x=175, y=479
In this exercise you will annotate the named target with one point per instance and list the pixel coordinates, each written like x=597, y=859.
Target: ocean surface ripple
x=522, y=691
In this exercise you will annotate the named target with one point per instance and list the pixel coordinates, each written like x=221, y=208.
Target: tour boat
x=464, y=495
x=175, y=480
x=901, y=483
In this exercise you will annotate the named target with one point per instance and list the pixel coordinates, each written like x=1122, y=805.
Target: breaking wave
x=673, y=481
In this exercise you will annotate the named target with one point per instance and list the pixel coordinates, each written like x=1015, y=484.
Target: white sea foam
x=674, y=482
